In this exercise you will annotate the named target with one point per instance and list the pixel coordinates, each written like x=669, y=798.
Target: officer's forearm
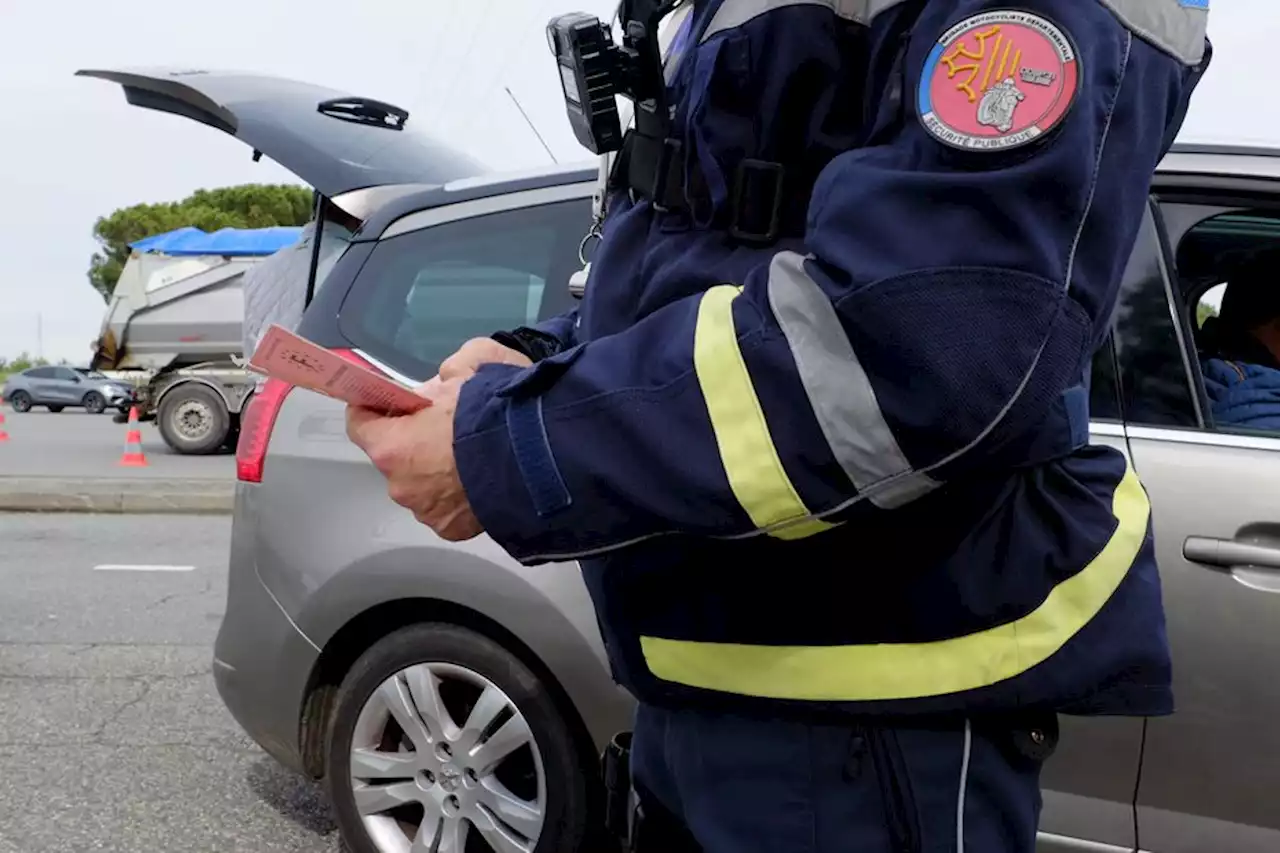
x=605, y=444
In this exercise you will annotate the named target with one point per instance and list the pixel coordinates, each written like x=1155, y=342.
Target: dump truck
x=175, y=329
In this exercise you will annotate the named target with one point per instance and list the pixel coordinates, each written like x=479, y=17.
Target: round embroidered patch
x=997, y=81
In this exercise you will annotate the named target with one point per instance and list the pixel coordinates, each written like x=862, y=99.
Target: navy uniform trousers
x=744, y=785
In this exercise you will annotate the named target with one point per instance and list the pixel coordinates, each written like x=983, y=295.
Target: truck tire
x=193, y=419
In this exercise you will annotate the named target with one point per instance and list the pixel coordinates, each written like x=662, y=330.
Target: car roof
x=1221, y=160
x=393, y=203
x=397, y=203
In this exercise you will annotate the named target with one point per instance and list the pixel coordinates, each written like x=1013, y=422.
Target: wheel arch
x=360, y=632
x=191, y=380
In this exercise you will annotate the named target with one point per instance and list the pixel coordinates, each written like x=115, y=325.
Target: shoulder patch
x=998, y=80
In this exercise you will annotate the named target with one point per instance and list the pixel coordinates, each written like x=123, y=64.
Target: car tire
x=21, y=401
x=199, y=403
x=549, y=772
x=56, y=409
x=94, y=403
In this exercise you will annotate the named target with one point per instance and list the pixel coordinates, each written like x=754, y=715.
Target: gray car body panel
x=378, y=553
x=1202, y=780
x=279, y=118
x=265, y=647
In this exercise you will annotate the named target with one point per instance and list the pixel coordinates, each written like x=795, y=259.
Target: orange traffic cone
x=4, y=436
x=133, y=456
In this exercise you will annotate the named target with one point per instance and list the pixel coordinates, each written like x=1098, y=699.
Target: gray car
x=58, y=387
x=443, y=689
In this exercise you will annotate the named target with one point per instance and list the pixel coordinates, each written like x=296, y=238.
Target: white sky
x=72, y=150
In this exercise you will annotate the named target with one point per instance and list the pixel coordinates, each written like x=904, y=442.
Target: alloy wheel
x=423, y=782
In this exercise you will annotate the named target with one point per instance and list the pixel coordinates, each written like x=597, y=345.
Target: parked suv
x=58, y=387
x=443, y=688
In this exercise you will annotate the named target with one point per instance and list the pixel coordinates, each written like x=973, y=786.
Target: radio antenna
x=532, y=126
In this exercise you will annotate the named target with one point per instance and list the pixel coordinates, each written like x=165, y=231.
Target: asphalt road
x=112, y=737
x=75, y=444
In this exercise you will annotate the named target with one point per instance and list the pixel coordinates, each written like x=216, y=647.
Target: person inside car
x=1242, y=367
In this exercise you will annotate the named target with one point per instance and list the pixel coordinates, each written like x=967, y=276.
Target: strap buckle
x=757, y=183
x=652, y=168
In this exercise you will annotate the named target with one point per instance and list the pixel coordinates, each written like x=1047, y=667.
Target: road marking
x=121, y=567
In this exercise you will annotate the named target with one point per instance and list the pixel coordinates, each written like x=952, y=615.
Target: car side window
x=422, y=294
x=1155, y=376
x=66, y=374
x=41, y=373
x=1227, y=265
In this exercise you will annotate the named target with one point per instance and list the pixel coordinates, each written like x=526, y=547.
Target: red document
x=283, y=355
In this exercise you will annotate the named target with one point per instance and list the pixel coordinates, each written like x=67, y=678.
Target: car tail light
x=255, y=429
x=259, y=418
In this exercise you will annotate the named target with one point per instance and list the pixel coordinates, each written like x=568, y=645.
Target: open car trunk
x=344, y=146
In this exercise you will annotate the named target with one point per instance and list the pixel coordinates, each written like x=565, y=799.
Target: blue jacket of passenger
x=849, y=471
x=1242, y=394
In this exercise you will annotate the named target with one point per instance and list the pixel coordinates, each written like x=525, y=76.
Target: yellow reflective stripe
x=747, y=452
x=915, y=670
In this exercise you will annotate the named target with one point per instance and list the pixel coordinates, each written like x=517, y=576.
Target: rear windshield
x=275, y=289
x=420, y=295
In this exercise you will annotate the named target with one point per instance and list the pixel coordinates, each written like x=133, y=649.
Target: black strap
x=655, y=169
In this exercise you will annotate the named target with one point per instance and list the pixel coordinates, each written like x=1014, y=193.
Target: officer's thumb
x=429, y=388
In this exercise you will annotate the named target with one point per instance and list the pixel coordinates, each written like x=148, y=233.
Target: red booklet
x=298, y=361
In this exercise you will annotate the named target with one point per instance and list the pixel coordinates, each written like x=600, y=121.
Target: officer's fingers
x=477, y=351
x=519, y=359
x=430, y=388
x=362, y=426
x=465, y=361
x=456, y=368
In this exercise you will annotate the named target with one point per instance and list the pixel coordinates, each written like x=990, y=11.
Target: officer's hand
x=475, y=352
x=415, y=454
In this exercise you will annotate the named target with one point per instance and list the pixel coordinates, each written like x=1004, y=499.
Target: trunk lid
x=332, y=140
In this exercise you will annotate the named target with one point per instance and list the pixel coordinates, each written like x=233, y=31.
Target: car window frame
x=1167, y=258
x=1144, y=283
x=1105, y=361
x=400, y=365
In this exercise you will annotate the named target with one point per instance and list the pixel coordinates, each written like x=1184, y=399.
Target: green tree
x=1203, y=312
x=246, y=206
x=21, y=363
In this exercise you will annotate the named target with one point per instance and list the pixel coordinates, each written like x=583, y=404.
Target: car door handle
x=1229, y=553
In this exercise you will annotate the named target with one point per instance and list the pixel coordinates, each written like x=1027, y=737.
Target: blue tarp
x=227, y=241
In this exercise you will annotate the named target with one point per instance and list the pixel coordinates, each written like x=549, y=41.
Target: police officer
x=818, y=434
